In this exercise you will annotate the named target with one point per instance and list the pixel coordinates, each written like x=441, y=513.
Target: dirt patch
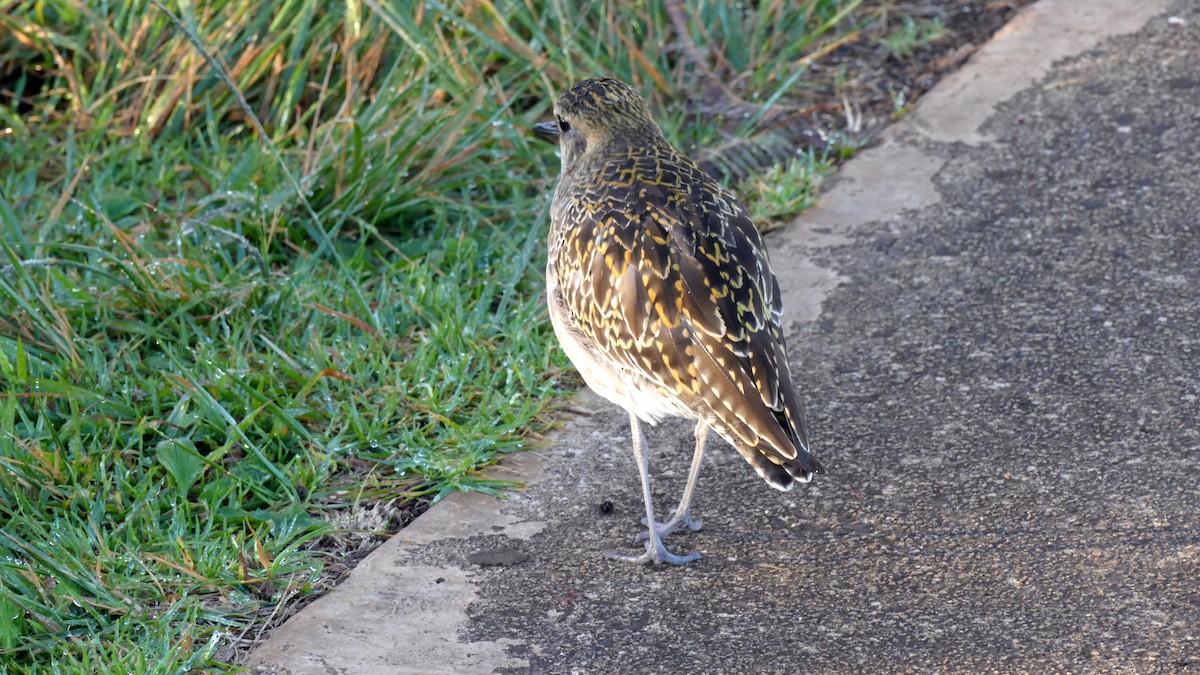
x=873, y=76
x=854, y=87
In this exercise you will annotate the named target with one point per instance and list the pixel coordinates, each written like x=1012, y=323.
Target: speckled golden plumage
x=662, y=295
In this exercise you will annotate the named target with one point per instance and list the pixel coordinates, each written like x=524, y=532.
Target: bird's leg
x=655, y=551
x=683, y=514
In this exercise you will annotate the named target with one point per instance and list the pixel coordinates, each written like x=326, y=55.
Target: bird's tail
x=767, y=428
x=778, y=470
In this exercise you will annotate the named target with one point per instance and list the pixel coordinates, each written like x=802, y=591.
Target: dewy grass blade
x=316, y=230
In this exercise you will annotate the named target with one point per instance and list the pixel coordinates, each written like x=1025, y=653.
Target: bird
x=661, y=293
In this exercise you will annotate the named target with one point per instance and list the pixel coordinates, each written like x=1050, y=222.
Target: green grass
x=271, y=263
x=912, y=35
x=778, y=194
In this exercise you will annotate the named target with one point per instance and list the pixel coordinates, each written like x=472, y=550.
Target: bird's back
x=662, y=282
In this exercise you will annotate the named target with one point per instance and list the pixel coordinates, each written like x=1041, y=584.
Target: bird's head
x=596, y=113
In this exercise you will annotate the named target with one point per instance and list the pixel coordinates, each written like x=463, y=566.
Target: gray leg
x=683, y=515
x=655, y=551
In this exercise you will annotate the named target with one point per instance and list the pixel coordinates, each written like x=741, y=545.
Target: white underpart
x=625, y=388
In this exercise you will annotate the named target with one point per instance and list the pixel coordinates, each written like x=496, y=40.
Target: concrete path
x=996, y=328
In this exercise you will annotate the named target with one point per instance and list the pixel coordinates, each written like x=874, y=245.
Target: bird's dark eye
x=563, y=126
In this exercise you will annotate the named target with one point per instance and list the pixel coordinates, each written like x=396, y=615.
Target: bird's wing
x=733, y=302
x=675, y=285
x=618, y=289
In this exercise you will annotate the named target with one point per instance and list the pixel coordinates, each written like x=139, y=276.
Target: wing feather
x=678, y=291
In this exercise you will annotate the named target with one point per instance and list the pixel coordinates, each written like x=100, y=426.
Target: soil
x=850, y=93
x=875, y=80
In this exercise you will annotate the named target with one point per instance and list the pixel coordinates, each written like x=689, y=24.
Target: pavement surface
x=995, y=323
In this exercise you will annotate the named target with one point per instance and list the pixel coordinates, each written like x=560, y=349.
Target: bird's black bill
x=547, y=131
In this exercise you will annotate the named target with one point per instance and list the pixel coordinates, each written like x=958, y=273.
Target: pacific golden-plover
x=661, y=294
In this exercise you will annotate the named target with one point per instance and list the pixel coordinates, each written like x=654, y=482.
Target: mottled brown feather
x=659, y=273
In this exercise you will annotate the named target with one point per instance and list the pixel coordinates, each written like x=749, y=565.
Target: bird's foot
x=684, y=519
x=657, y=553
